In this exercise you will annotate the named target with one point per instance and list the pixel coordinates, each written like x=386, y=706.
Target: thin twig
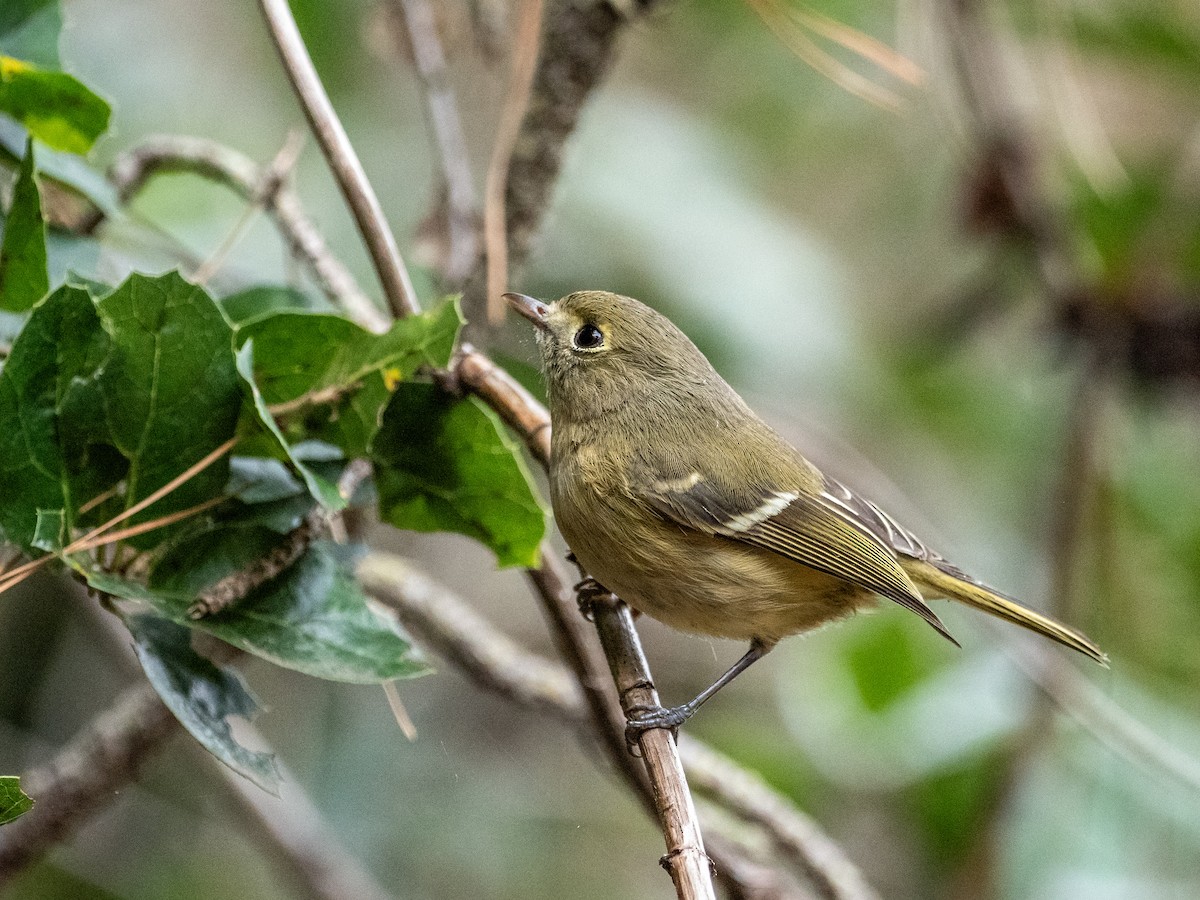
x=445, y=124
x=579, y=43
x=89, y=540
x=343, y=161
x=516, y=102
x=131, y=171
x=272, y=179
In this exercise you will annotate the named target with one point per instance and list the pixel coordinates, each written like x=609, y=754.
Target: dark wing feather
x=807, y=529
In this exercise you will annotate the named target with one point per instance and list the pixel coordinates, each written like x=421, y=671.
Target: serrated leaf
x=201, y=696
x=24, y=277
x=14, y=802
x=56, y=108
x=445, y=464
x=303, y=354
x=29, y=30
x=53, y=410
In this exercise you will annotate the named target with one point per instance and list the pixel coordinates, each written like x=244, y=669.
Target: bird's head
x=600, y=350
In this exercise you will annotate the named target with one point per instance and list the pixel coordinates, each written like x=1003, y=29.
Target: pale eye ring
x=589, y=337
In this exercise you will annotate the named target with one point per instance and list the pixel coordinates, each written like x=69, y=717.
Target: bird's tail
x=949, y=582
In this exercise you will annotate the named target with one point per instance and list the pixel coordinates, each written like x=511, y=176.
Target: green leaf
x=50, y=529
x=265, y=438
x=29, y=30
x=14, y=802
x=53, y=410
x=24, y=277
x=312, y=618
x=443, y=464
x=55, y=107
x=171, y=388
x=201, y=695
x=299, y=354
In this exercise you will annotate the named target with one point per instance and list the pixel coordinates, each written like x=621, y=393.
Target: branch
x=794, y=834
x=86, y=776
x=131, y=171
x=451, y=628
x=686, y=860
x=516, y=103
x=579, y=43
x=291, y=830
x=343, y=161
x=444, y=121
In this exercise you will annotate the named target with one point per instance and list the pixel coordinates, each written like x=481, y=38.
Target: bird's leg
x=643, y=718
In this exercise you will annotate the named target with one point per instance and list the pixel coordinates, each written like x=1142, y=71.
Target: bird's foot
x=587, y=592
x=640, y=719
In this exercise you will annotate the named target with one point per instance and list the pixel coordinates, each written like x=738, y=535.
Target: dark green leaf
x=443, y=464
x=201, y=696
x=24, y=277
x=55, y=107
x=298, y=355
x=14, y=802
x=29, y=30
x=53, y=409
x=312, y=618
x=171, y=388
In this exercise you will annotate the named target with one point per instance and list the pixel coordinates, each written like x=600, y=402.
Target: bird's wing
x=809, y=528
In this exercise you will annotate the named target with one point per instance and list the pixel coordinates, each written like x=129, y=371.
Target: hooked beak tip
x=534, y=310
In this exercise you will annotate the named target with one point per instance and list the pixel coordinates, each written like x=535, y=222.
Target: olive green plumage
x=676, y=496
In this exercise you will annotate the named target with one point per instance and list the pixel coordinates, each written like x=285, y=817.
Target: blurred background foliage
x=851, y=270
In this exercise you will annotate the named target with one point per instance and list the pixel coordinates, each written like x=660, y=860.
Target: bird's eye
x=589, y=337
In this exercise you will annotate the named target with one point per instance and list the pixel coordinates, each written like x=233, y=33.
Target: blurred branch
x=516, y=103
x=343, y=161
x=291, y=831
x=274, y=176
x=795, y=835
x=85, y=776
x=421, y=31
x=450, y=627
x=131, y=171
x=579, y=42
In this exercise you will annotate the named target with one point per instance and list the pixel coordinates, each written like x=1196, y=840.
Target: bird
x=677, y=497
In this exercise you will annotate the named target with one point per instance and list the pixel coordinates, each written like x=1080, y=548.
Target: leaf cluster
x=159, y=441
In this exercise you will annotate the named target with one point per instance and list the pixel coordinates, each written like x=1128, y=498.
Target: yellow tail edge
x=944, y=584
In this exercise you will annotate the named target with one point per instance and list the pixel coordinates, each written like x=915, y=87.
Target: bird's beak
x=535, y=311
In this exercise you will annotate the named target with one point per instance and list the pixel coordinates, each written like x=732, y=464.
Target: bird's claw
x=588, y=592
x=640, y=719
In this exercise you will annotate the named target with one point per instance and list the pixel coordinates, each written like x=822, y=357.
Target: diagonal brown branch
x=343, y=161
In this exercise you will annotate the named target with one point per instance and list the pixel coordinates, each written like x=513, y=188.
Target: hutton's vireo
x=673, y=494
